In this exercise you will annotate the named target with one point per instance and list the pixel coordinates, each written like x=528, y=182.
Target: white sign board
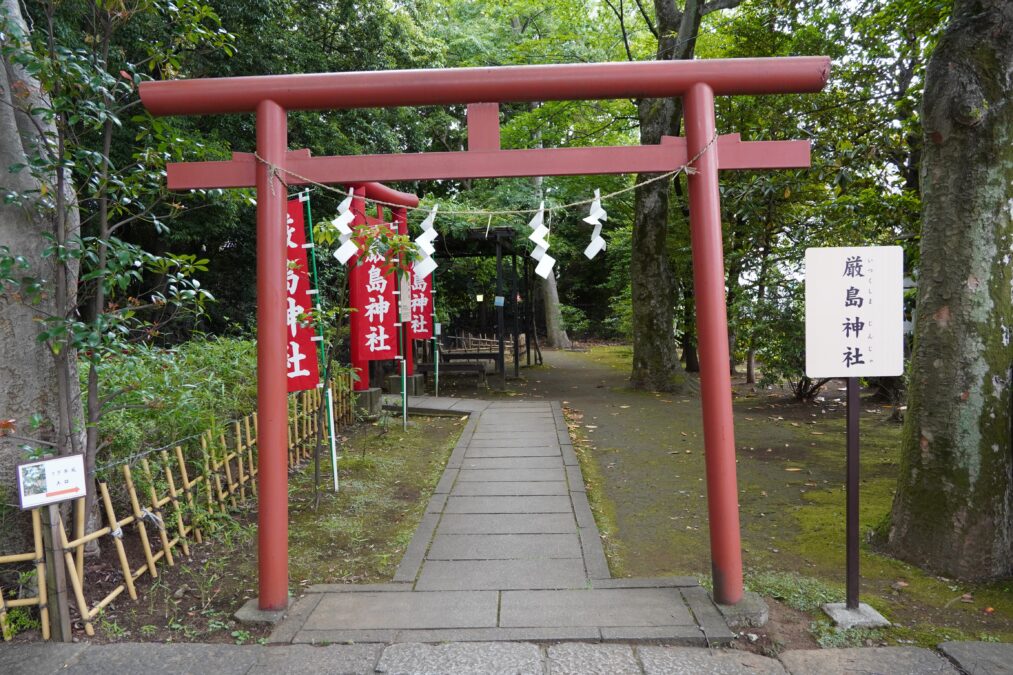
x=404, y=297
x=51, y=480
x=854, y=311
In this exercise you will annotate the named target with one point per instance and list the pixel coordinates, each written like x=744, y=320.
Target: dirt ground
x=648, y=476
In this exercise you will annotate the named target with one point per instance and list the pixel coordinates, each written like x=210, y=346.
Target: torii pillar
x=482, y=89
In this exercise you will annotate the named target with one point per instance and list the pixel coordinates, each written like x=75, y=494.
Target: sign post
x=46, y=483
x=854, y=328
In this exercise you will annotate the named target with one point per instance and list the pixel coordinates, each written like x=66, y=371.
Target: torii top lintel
x=483, y=89
x=447, y=86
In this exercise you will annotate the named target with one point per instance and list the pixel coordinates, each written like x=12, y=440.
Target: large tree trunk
x=555, y=332
x=33, y=380
x=655, y=365
x=953, y=512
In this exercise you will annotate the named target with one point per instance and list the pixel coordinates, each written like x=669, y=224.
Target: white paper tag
x=346, y=251
x=423, y=268
x=596, y=246
x=544, y=267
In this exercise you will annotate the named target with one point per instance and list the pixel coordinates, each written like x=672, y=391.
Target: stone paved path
x=507, y=550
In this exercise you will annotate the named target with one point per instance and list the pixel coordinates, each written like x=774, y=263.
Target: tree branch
x=717, y=5
x=647, y=19
x=618, y=11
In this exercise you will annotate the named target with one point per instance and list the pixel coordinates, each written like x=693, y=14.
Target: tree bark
x=33, y=380
x=953, y=511
x=555, y=333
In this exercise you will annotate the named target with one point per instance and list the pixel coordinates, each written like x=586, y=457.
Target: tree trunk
x=953, y=511
x=555, y=333
x=33, y=380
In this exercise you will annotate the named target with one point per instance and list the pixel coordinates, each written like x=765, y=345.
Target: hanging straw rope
x=688, y=168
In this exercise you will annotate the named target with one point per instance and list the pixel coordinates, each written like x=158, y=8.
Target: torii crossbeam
x=482, y=89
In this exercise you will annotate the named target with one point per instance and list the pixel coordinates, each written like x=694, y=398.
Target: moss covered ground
x=642, y=454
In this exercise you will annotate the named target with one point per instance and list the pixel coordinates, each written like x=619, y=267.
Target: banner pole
x=322, y=359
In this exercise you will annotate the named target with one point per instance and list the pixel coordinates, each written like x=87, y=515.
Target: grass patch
x=387, y=476
x=602, y=508
x=806, y=594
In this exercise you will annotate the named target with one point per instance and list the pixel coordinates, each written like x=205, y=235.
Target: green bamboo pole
x=323, y=362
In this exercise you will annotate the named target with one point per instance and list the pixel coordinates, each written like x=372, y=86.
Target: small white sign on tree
x=854, y=311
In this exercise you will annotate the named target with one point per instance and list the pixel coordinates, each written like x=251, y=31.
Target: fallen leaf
x=793, y=468
x=624, y=406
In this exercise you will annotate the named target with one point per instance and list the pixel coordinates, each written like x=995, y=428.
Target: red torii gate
x=482, y=89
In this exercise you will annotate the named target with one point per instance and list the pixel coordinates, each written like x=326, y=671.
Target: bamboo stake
x=80, y=516
x=115, y=529
x=40, y=573
x=188, y=489
x=139, y=521
x=240, y=457
x=227, y=461
x=156, y=509
x=181, y=528
x=75, y=582
x=251, y=463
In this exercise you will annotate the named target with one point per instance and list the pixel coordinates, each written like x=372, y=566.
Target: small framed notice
x=49, y=481
x=854, y=311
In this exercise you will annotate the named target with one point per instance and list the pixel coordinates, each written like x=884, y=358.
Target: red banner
x=374, y=335
x=422, y=307
x=303, y=367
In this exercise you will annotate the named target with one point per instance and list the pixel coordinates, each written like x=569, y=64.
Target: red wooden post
x=712, y=327
x=272, y=402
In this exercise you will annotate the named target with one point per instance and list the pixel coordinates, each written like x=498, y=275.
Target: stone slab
x=489, y=634
x=584, y=659
x=503, y=546
x=892, y=660
x=364, y=611
x=708, y=617
x=441, y=575
x=508, y=442
x=575, y=478
x=155, y=658
x=331, y=637
x=981, y=658
x=469, y=405
x=436, y=503
x=299, y=611
x=526, y=451
x=38, y=658
x=251, y=612
x=352, y=659
x=593, y=553
x=687, y=636
x=513, y=475
x=522, y=504
x=506, y=523
x=862, y=616
x=476, y=658
x=525, y=433
x=569, y=457
x=690, y=661
x=542, y=462
x=751, y=610
x=411, y=562
x=446, y=482
x=506, y=489
x=647, y=582
x=593, y=607
x=360, y=588
x=582, y=509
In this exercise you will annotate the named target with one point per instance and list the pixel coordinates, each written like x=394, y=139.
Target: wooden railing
x=166, y=499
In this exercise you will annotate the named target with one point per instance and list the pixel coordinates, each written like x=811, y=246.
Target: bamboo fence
x=163, y=498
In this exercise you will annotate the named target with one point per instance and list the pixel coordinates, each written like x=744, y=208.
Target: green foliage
x=574, y=321
x=163, y=395
x=830, y=637
x=805, y=594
